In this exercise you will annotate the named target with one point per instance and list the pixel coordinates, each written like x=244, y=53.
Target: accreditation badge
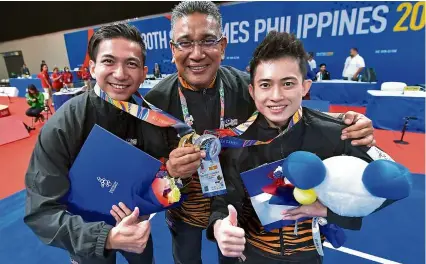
x=316, y=235
x=210, y=172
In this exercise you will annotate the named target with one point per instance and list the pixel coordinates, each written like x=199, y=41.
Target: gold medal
x=185, y=140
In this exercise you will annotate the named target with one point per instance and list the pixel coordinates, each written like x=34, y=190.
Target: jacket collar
x=103, y=107
x=186, y=85
x=263, y=123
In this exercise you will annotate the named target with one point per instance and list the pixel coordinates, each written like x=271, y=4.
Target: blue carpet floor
x=396, y=233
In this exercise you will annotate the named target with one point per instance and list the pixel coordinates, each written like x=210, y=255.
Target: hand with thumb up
x=230, y=237
x=130, y=234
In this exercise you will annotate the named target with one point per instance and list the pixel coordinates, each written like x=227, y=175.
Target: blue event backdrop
x=389, y=35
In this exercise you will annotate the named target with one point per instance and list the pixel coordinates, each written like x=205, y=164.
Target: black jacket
x=57, y=146
x=204, y=106
x=325, y=76
x=315, y=132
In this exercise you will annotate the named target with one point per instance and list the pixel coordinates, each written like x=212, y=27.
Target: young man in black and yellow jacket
x=277, y=72
x=117, y=61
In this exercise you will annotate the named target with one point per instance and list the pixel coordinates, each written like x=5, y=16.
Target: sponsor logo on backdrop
x=388, y=51
x=324, y=54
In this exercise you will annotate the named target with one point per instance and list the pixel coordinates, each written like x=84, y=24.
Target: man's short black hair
x=116, y=30
x=276, y=46
x=355, y=49
x=186, y=8
x=323, y=64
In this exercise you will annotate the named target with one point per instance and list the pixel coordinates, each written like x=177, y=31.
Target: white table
x=342, y=92
x=148, y=84
x=59, y=98
x=71, y=91
x=9, y=91
x=397, y=93
x=343, y=81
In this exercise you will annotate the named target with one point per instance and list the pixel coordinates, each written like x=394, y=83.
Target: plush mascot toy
x=347, y=185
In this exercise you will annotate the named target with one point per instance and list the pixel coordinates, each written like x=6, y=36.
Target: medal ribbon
x=155, y=116
x=188, y=118
x=228, y=137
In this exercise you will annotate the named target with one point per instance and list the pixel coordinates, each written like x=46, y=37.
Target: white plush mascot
x=347, y=185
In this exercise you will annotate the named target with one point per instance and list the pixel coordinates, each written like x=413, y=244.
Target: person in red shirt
x=85, y=75
x=67, y=77
x=45, y=80
x=57, y=80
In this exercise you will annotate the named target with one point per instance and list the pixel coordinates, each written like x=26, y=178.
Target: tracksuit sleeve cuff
x=100, y=250
x=351, y=223
x=212, y=220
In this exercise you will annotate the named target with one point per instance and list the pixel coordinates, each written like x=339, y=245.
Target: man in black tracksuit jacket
x=204, y=105
x=317, y=133
x=277, y=86
x=117, y=61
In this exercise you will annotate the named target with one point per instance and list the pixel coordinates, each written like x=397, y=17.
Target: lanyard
x=189, y=120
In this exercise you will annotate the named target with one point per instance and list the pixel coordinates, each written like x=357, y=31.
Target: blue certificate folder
x=109, y=170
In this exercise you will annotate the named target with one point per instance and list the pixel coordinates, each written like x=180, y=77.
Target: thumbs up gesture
x=130, y=234
x=230, y=237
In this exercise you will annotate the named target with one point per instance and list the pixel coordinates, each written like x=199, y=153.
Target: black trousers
x=147, y=257
x=186, y=241
x=34, y=112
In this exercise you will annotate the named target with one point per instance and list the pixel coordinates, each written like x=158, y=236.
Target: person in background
x=42, y=62
x=354, y=65
x=157, y=73
x=323, y=74
x=311, y=61
x=67, y=77
x=45, y=80
x=35, y=100
x=57, y=82
x=310, y=74
x=85, y=76
x=25, y=70
x=248, y=68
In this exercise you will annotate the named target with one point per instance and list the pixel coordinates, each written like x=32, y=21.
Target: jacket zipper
x=281, y=145
x=281, y=242
x=281, y=230
x=206, y=108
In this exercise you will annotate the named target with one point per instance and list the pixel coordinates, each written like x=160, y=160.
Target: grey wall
x=50, y=48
